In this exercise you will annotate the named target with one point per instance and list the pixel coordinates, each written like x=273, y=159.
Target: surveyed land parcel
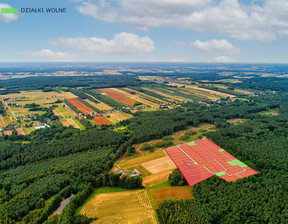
x=203, y=159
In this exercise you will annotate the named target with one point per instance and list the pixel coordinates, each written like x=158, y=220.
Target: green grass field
x=62, y=110
x=79, y=123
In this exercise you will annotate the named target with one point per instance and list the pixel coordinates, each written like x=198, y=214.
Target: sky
x=238, y=31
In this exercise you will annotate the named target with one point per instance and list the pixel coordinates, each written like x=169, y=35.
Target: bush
x=130, y=151
x=146, y=146
x=164, y=144
x=177, y=179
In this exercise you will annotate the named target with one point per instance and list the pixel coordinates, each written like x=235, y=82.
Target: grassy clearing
x=63, y=112
x=141, y=159
x=161, y=194
x=121, y=207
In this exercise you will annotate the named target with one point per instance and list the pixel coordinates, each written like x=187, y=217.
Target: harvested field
x=72, y=112
x=141, y=159
x=118, y=97
x=101, y=120
x=161, y=194
x=100, y=105
x=156, y=178
x=166, y=95
x=69, y=95
x=120, y=116
x=69, y=121
x=136, y=98
x=20, y=131
x=146, y=95
x=120, y=208
x=203, y=89
x=86, y=110
x=159, y=165
x=65, y=123
x=2, y=122
x=7, y=132
x=201, y=93
x=103, y=106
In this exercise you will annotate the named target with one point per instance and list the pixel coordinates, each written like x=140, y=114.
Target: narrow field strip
x=118, y=97
x=86, y=110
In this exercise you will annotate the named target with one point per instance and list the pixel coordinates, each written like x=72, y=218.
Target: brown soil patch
x=7, y=132
x=71, y=122
x=159, y=195
x=20, y=131
x=235, y=120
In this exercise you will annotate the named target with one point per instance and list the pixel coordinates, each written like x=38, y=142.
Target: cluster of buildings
x=131, y=173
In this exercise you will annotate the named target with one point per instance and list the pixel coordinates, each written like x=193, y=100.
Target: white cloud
x=179, y=43
x=172, y=59
x=47, y=54
x=263, y=22
x=217, y=46
x=224, y=59
x=122, y=44
x=7, y=18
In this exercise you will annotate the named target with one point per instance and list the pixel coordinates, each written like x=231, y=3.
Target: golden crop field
x=156, y=178
x=120, y=208
x=120, y=116
x=141, y=159
x=159, y=165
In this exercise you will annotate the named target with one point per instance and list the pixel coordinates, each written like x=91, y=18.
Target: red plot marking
x=118, y=97
x=101, y=120
x=80, y=106
x=203, y=159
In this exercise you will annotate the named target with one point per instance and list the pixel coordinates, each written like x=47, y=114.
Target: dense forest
x=261, y=142
x=55, y=162
x=51, y=82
